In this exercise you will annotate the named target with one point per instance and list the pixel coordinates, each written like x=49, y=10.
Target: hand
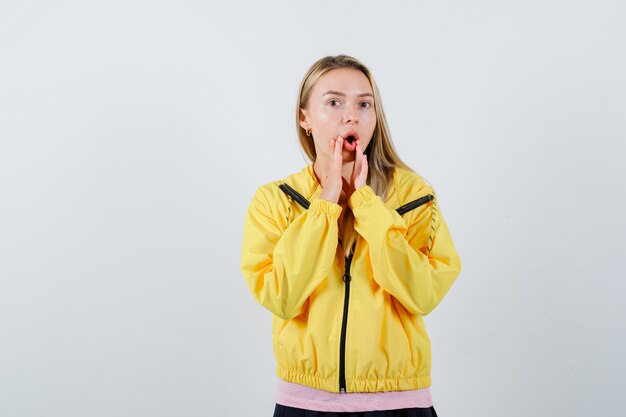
x=332, y=181
x=359, y=170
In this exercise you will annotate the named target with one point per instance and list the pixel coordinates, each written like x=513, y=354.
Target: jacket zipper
x=342, y=352
x=295, y=195
x=414, y=204
x=411, y=205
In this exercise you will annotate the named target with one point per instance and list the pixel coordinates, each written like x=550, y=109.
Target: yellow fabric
x=402, y=267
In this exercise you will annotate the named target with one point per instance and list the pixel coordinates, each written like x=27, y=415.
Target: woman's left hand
x=359, y=171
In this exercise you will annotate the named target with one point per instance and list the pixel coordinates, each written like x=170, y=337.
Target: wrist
x=329, y=196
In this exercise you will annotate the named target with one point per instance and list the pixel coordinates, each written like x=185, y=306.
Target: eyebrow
x=337, y=93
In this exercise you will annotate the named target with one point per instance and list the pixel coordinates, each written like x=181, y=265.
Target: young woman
x=348, y=254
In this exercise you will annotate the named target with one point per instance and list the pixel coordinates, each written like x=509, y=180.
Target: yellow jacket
x=349, y=324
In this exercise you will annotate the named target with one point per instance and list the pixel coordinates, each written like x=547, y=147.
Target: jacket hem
x=363, y=385
x=387, y=384
x=327, y=384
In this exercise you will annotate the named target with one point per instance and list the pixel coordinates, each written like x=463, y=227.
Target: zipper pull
x=346, y=274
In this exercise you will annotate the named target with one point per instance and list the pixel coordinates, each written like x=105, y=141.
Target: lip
x=350, y=133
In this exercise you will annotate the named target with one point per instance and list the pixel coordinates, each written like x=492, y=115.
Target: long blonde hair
x=382, y=157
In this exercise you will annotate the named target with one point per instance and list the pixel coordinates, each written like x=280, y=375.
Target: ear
x=304, y=119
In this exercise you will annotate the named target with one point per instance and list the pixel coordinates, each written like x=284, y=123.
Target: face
x=341, y=104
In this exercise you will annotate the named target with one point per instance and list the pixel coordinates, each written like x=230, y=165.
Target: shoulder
x=302, y=181
x=270, y=195
x=267, y=195
x=410, y=185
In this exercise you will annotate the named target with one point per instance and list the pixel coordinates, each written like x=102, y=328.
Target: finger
x=364, y=168
x=357, y=159
x=338, y=148
x=333, y=145
x=334, y=151
x=337, y=159
x=360, y=150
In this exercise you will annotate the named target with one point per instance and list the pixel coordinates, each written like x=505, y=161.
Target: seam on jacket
x=433, y=219
x=395, y=184
x=289, y=212
x=312, y=192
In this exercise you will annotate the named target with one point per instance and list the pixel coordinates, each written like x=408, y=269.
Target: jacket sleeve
x=283, y=267
x=414, y=260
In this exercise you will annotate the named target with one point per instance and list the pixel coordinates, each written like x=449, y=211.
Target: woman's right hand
x=332, y=181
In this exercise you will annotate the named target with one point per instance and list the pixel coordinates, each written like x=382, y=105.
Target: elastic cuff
x=326, y=207
x=361, y=196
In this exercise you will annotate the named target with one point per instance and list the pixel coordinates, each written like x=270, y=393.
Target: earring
x=308, y=132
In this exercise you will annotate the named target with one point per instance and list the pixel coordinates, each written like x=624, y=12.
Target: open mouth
x=350, y=139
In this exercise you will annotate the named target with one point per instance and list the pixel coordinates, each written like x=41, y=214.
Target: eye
x=366, y=104
x=333, y=101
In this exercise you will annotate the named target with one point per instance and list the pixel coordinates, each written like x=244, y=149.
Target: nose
x=350, y=115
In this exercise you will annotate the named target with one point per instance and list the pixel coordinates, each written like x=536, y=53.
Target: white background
x=133, y=134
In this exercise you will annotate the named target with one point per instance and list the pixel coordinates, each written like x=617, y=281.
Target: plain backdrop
x=133, y=135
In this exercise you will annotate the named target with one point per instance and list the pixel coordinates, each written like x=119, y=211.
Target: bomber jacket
x=349, y=324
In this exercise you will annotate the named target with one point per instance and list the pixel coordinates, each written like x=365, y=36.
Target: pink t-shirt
x=301, y=396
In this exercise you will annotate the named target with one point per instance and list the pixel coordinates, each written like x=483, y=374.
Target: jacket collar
x=305, y=182
x=314, y=185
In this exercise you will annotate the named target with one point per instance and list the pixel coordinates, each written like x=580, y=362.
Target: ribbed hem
x=387, y=384
x=354, y=384
x=322, y=206
x=327, y=384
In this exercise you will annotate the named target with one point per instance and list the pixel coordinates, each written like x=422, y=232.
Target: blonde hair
x=382, y=157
